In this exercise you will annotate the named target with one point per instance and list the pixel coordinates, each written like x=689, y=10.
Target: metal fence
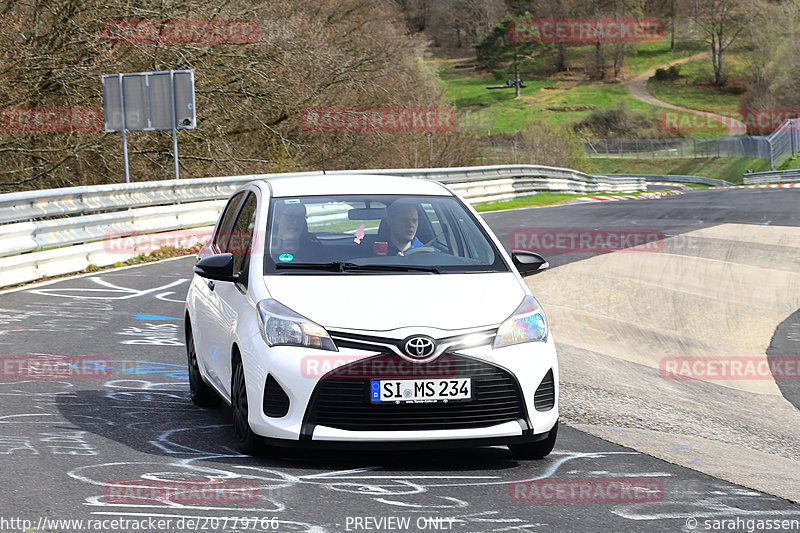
x=756, y=147
x=777, y=146
x=784, y=142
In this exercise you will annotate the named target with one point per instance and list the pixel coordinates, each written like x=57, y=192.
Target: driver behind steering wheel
x=402, y=219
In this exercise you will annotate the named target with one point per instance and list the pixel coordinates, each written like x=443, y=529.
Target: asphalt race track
x=722, y=456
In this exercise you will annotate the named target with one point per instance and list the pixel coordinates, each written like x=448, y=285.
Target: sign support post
x=124, y=135
x=174, y=122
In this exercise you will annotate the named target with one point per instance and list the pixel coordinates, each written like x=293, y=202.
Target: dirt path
x=638, y=88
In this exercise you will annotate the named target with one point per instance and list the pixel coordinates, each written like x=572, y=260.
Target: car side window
x=239, y=244
x=223, y=234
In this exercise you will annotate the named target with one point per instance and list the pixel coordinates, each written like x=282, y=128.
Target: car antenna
x=323, y=163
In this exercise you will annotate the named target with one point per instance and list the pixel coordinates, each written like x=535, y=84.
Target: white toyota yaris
x=341, y=309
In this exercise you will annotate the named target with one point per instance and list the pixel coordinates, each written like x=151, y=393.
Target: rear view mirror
x=528, y=263
x=367, y=213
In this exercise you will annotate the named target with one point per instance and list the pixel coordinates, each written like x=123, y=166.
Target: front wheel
x=249, y=442
x=535, y=450
x=202, y=394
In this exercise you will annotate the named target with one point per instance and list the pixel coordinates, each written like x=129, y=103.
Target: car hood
x=384, y=302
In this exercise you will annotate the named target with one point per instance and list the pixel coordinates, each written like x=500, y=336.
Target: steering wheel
x=434, y=240
x=420, y=249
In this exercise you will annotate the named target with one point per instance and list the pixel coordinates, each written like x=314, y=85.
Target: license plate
x=420, y=390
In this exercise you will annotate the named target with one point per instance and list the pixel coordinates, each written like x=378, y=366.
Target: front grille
x=545, y=397
x=342, y=402
x=276, y=402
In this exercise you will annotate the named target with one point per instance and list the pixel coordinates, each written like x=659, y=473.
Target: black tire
x=249, y=442
x=202, y=394
x=535, y=450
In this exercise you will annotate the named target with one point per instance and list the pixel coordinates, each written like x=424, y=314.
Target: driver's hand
x=401, y=254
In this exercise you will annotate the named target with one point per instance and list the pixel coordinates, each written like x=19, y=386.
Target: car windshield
x=376, y=233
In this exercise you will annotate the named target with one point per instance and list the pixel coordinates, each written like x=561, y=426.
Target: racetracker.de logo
x=51, y=119
x=585, y=30
x=740, y=121
x=730, y=368
x=181, y=31
x=343, y=367
x=140, y=492
x=53, y=367
x=587, y=491
x=556, y=240
x=120, y=242
x=378, y=119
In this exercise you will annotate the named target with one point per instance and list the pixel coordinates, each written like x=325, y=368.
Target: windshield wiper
x=333, y=266
x=390, y=268
x=344, y=266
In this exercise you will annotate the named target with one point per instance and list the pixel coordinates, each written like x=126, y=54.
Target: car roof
x=336, y=183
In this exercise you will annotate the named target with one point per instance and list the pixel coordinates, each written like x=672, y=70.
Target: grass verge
x=723, y=168
x=540, y=200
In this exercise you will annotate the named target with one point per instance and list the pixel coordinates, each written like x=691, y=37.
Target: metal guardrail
x=777, y=176
x=19, y=206
x=58, y=231
x=24, y=206
x=678, y=178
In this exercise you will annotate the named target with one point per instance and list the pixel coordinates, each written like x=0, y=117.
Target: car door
x=231, y=298
x=206, y=301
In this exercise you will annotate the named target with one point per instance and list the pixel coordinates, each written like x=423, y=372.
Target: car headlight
x=526, y=324
x=280, y=326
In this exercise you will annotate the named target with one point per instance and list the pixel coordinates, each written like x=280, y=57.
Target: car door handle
x=211, y=285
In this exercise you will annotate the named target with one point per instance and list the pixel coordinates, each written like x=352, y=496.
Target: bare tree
x=722, y=22
x=462, y=23
x=342, y=53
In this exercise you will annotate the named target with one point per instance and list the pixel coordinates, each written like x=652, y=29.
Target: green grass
x=790, y=163
x=655, y=53
x=724, y=168
x=649, y=54
x=695, y=91
x=539, y=200
x=559, y=101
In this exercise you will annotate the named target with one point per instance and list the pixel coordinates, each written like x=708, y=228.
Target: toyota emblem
x=420, y=347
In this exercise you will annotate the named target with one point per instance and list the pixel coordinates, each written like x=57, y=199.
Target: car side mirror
x=528, y=263
x=218, y=267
